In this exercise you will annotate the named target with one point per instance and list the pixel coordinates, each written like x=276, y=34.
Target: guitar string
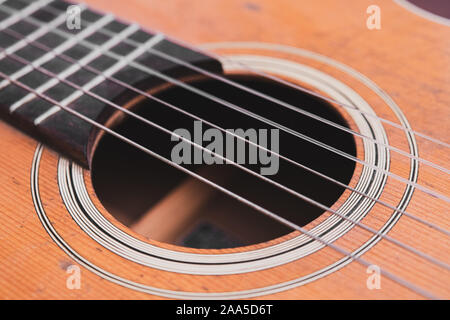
x=292, y=107
x=296, y=86
x=143, y=68
x=148, y=95
x=342, y=251
x=275, y=100
x=320, y=96
x=261, y=177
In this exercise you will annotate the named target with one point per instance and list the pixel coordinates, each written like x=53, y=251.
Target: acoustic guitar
x=239, y=149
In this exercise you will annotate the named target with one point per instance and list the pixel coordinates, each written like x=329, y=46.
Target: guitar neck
x=46, y=59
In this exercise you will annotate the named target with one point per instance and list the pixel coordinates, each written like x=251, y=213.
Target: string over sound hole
x=167, y=205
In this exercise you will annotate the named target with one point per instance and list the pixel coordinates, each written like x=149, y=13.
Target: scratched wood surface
x=409, y=58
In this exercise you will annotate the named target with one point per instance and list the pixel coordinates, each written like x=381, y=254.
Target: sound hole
x=165, y=204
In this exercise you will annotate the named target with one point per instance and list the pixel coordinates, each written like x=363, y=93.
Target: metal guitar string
x=262, y=119
x=146, y=94
x=104, y=100
x=278, y=101
x=339, y=104
x=272, y=99
x=277, y=79
x=224, y=190
x=293, y=108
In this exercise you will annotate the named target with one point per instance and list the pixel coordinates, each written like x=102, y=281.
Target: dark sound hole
x=167, y=205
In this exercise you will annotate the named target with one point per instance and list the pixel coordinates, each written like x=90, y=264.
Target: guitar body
x=400, y=72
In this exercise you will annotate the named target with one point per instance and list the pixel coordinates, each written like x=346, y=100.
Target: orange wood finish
x=409, y=58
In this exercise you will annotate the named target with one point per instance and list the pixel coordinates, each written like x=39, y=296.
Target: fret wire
x=121, y=83
x=52, y=54
x=286, y=222
x=33, y=36
x=38, y=61
x=25, y=40
x=23, y=13
x=287, y=159
x=160, y=75
x=301, y=196
x=75, y=67
x=97, y=80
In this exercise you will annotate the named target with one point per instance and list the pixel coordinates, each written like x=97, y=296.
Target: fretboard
x=37, y=42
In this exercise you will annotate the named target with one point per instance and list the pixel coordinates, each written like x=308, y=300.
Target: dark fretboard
x=113, y=49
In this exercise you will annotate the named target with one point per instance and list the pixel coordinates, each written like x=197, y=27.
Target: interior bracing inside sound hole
x=165, y=204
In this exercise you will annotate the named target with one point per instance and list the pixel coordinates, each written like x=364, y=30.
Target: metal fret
x=52, y=54
x=23, y=13
x=72, y=69
x=58, y=50
x=33, y=36
x=97, y=80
